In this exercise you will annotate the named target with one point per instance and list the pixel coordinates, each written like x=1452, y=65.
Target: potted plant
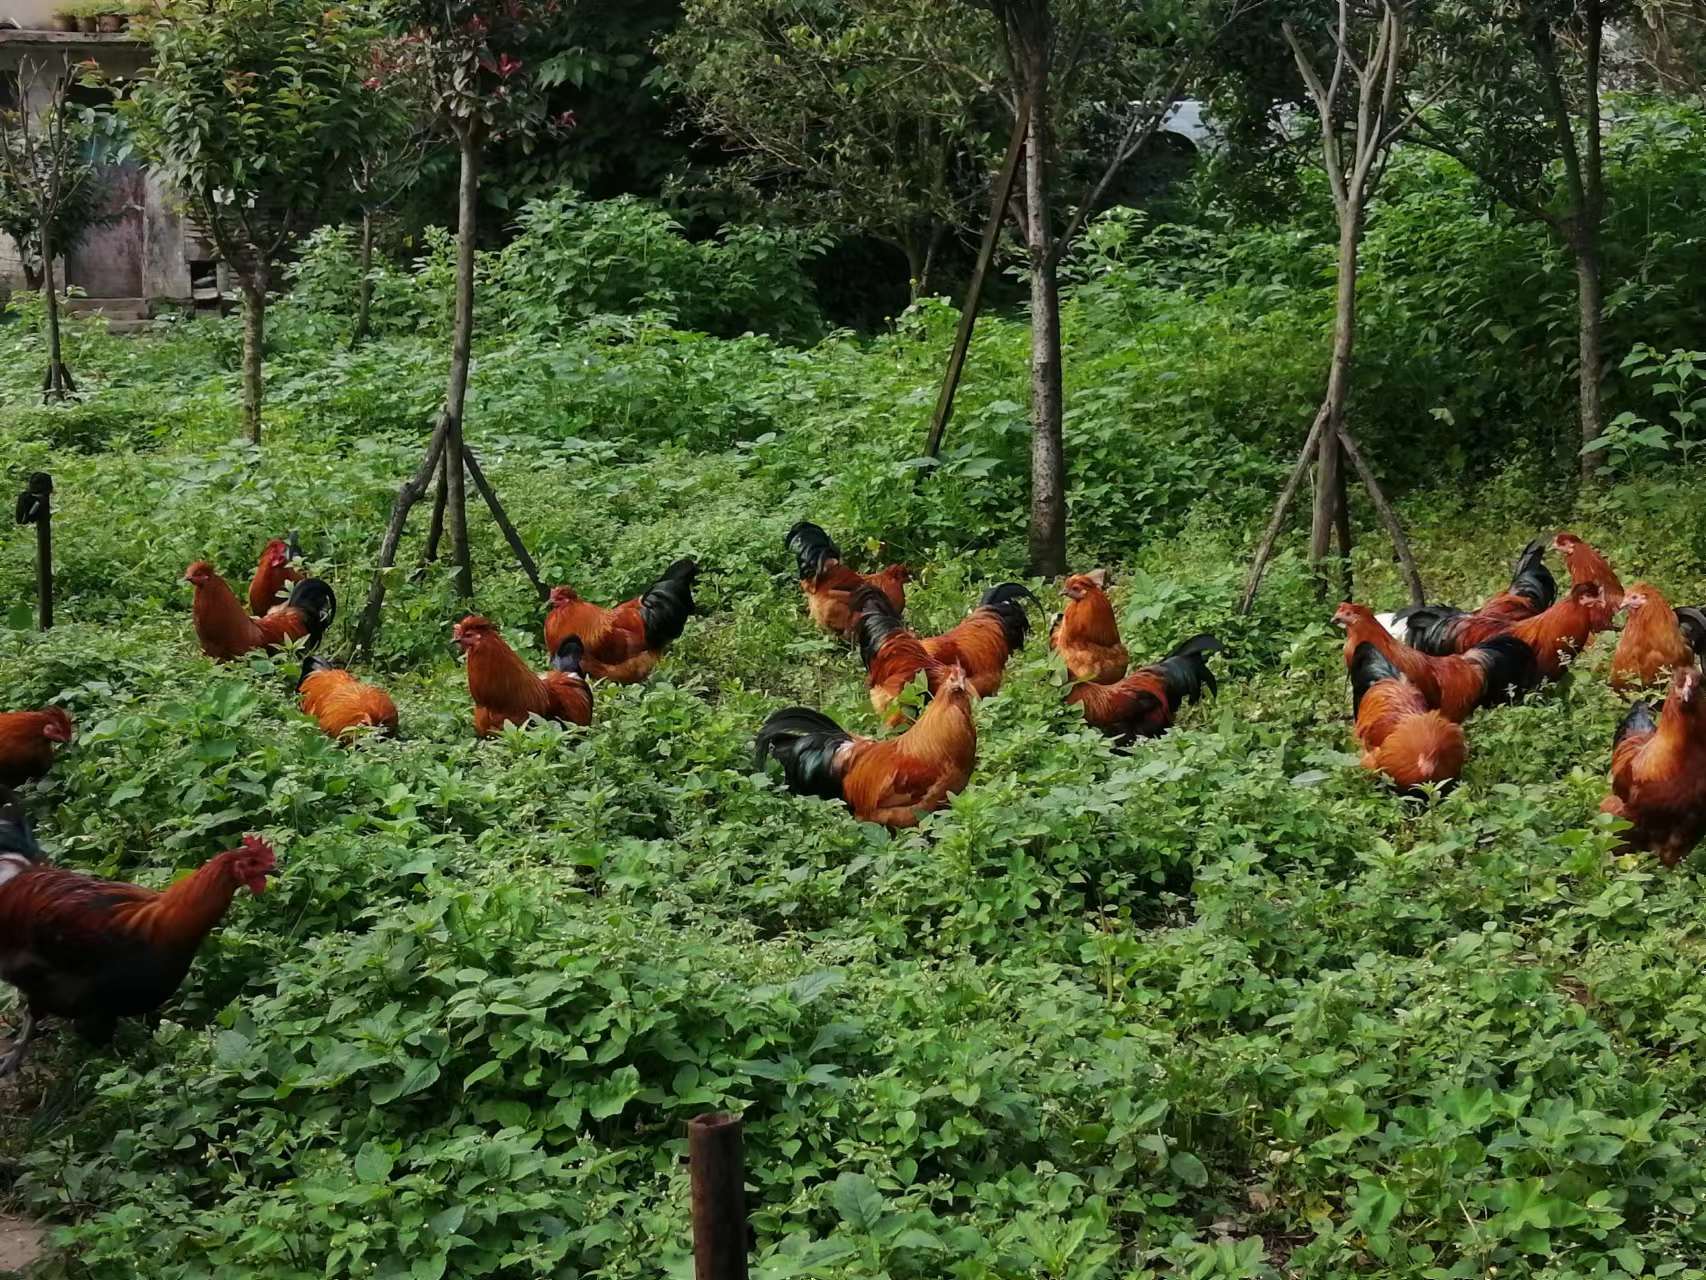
x=112, y=22
x=65, y=19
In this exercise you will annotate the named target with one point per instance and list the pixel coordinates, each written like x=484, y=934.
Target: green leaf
x=1188, y=1169
x=858, y=1201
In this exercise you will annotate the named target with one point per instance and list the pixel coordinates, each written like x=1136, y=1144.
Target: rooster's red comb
x=258, y=846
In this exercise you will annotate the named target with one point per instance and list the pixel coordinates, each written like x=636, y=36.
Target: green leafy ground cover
x=1221, y=1007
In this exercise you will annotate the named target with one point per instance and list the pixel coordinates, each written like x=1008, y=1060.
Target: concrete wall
x=27, y=13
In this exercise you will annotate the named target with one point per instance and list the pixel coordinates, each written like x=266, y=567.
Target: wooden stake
x=502, y=517
x=35, y=506
x=409, y=494
x=1388, y=517
x=719, y=1196
x=1265, y=549
x=974, y=291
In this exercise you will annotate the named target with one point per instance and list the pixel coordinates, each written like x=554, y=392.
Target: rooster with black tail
x=624, y=643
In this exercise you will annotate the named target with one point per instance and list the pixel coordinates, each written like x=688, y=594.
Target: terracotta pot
x=111, y=23
x=88, y=24
x=64, y=22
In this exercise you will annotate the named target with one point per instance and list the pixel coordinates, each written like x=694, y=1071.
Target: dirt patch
x=21, y=1243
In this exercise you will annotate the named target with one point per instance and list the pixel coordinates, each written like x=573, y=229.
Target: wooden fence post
x=35, y=506
x=719, y=1196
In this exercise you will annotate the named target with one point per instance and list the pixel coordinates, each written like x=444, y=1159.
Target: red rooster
x=1441, y=630
x=829, y=585
x=1492, y=672
x=1658, y=772
x=888, y=781
x=1656, y=639
x=341, y=703
x=1400, y=736
x=505, y=690
x=1587, y=566
x=272, y=574
x=97, y=950
x=1564, y=630
x=1144, y=704
x=1087, y=637
x=980, y=646
x=27, y=740
x=624, y=644
x=225, y=631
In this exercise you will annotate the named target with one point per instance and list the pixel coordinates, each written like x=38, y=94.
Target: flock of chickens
x=93, y=951
x=1410, y=697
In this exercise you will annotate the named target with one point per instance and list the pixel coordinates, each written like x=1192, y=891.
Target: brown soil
x=21, y=1243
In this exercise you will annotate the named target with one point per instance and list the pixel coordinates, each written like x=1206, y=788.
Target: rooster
x=1087, y=637
x=341, y=703
x=829, y=585
x=27, y=740
x=992, y=633
x=1658, y=772
x=1587, y=566
x=1400, y=736
x=1491, y=673
x=1564, y=630
x=888, y=781
x=1656, y=640
x=95, y=950
x=505, y=690
x=893, y=653
x=624, y=643
x=226, y=631
x=1143, y=704
x=272, y=574
x=1441, y=630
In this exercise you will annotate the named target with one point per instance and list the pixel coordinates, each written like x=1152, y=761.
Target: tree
x=479, y=64
x=253, y=109
x=1362, y=111
x=50, y=193
x=868, y=116
x=1083, y=66
x=382, y=172
x=1522, y=113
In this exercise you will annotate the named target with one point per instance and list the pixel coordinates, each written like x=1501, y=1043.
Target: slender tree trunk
x=1048, y=451
x=364, y=291
x=254, y=286
x=937, y=234
x=55, y=387
x=456, y=396
x=1590, y=302
x=1329, y=487
x=915, y=267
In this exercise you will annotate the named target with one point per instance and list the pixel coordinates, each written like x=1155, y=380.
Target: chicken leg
x=14, y=1057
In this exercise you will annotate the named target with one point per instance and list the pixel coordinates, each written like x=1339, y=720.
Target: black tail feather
x=16, y=835
x=568, y=656
x=310, y=665
x=1369, y=667
x=319, y=605
x=1428, y=627
x=1185, y=671
x=1532, y=580
x=805, y=743
x=1511, y=668
x=876, y=619
x=1007, y=603
x=1693, y=623
x=1639, y=720
x=812, y=547
x=666, y=607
